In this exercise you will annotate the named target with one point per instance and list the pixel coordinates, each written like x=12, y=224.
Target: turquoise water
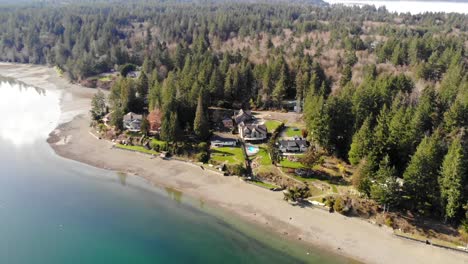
x=54, y=210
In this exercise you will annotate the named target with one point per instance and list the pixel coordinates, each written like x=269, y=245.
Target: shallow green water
x=54, y=210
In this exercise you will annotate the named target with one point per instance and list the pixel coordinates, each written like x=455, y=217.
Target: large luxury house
x=132, y=122
x=243, y=117
x=252, y=132
x=295, y=145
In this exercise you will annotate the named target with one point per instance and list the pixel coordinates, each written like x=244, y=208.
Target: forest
x=385, y=92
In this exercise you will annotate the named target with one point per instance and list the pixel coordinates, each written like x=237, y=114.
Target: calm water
x=54, y=210
x=413, y=7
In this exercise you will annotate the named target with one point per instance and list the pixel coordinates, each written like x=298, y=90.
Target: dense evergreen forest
x=387, y=93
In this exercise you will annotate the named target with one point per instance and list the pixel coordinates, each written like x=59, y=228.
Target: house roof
x=242, y=116
x=249, y=128
x=293, y=143
x=131, y=116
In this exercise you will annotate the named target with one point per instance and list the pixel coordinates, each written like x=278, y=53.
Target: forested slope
x=387, y=93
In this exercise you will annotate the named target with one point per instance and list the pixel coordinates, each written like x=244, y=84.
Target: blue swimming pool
x=251, y=150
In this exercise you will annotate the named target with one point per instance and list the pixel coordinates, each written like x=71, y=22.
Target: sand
x=351, y=237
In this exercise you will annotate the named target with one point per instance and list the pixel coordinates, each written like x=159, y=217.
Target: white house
x=132, y=122
x=253, y=132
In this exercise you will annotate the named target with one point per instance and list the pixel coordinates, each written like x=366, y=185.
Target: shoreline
x=349, y=237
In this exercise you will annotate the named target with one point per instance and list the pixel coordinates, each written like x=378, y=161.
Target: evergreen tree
x=200, y=124
x=362, y=143
x=142, y=85
x=317, y=120
x=154, y=97
x=386, y=189
x=280, y=90
x=117, y=119
x=144, y=127
x=346, y=75
x=421, y=175
x=453, y=176
x=98, y=105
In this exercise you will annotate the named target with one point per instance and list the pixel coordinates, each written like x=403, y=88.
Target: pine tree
x=142, y=85
x=456, y=116
x=117, y=119
x=154, y=97
x=362, y=143
x=421, y=175
x=346, y=75
x=98, y=105
x=381, y=132
x=386, y=189
x=424, y=118
x=215, y=85
x=400, y=145
x=144, y=127
x=453, y=178
x=228, y=85
x=317, y=120
x=280, y=90
x=200, y=124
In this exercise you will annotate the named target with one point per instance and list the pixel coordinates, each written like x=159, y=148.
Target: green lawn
x=263, y=184
x=157, y=141
x=137, y=149
x=229, y=155
x=272, y=125
x=291, y=164
x=292, y=132
x=264, y=157
x=105, y=78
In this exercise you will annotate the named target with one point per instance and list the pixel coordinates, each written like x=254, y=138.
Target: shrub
x=125, y=69
x=389, y=222
x=154, y=145
x=203, y=157
x=163, y=147
x=238, y=170
x=203, y=146
x=329, y=201
x=339, y=205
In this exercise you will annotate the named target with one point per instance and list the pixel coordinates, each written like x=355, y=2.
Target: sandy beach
x=351, y=237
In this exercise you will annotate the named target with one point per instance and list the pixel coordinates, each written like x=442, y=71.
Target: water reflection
x=122, y=178
x=174, y=194
x=28, y=113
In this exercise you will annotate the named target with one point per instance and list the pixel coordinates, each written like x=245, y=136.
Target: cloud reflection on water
x=27, y=113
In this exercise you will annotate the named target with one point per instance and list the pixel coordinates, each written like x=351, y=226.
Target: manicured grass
x=264, y=184
x=106, y=78
x=272, y=125
x=229, y=155
x=137, y=149
x=291, y=164
x=157, y=141
x=264, y=157
x=292, y=132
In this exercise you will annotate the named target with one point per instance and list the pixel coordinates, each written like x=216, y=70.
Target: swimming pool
x=251, y=150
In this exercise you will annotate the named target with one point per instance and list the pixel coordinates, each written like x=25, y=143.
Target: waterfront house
x=252, y=132
x=154, y=120
x=132, y=122
x=224, y=143
x=243, y=116
x=296, y=145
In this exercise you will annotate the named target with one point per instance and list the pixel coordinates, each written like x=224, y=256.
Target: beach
x=351, y=237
